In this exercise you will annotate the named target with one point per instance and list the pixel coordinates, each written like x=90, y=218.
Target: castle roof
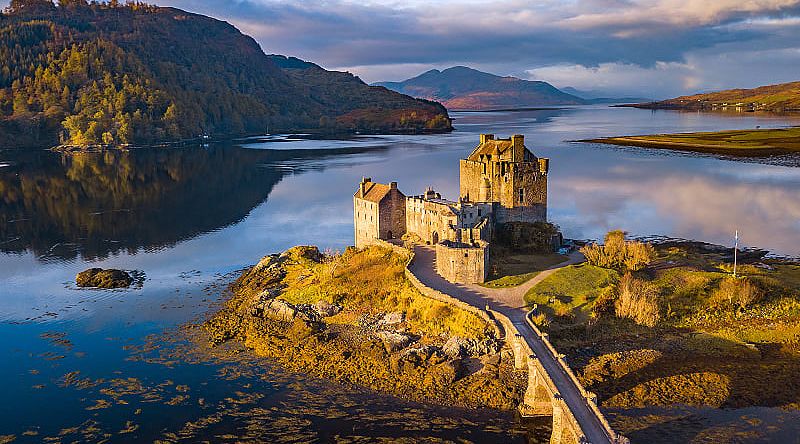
x=373, y=191
x=499, y=148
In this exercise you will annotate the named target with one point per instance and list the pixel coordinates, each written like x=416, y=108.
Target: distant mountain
x=598, y=97
x=86, y=73
x=774, y=98
x=466, y=88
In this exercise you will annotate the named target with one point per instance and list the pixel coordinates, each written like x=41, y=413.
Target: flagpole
x=735, y=251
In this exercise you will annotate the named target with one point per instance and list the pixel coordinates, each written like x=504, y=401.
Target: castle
x=500, y=181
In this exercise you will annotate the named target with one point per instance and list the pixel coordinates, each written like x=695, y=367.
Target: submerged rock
x=100, y=278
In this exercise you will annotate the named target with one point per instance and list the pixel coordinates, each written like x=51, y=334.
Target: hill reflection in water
x=95, y=204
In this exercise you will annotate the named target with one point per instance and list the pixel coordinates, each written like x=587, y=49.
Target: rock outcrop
x=100, y=278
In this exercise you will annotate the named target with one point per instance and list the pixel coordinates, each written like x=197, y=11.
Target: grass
x=702, y=351
x=371, y=281
x=748, y=143
x=571, y=290
x=511, y=270
x=514, y=280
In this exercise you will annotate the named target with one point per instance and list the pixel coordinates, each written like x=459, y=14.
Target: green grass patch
x=572, y=289
x=510, y=281
x=511, y=270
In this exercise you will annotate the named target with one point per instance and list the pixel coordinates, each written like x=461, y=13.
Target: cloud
x=646, y=42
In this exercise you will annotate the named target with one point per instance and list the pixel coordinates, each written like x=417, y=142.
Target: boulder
x=394, y=341
x=454, y=347
x=444, y=374
x=325, y=309
x=279, y=310
x=302, y=253
x=100, y=278
x=393, y=318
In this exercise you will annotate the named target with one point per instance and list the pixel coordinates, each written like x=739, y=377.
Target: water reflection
x=95, y=204
x=188, y=216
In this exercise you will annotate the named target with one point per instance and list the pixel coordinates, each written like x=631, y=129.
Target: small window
x=466, y=254
x=521, y=195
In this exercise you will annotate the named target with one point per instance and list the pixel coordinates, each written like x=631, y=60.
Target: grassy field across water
x=744, y=143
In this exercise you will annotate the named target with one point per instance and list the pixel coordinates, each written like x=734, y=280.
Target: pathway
x=510, y=302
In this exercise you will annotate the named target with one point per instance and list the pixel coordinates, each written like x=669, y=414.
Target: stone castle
x=501, y=181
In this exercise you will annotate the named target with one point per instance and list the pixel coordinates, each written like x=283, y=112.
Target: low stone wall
x=447, y=299
x=524, y=359
x=435, y=294
x=462, y=263
x=591, y=398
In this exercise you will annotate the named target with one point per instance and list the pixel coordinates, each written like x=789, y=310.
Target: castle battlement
x=500, y=181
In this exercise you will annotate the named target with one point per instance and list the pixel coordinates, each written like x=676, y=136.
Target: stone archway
x=435, y=238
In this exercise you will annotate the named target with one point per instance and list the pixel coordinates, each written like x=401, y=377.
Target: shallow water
x=188, y=217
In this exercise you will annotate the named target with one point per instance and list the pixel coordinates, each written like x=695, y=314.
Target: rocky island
x=355, y=318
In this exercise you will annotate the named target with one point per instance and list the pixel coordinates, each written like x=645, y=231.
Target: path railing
x=591, y=398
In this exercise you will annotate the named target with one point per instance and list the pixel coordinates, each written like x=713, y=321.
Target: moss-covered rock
x=100, y=278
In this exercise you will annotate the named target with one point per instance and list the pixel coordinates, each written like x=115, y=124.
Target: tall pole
x=735, y=251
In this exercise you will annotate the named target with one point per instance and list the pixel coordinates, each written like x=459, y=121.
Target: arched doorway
x=435, y=238
x=389, y=235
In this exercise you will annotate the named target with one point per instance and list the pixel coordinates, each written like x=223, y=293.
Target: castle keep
x=500, y=181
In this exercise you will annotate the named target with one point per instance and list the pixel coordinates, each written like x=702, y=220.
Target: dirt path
x=510, y=302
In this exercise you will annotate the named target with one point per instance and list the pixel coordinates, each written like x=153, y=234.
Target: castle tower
x=504, y=172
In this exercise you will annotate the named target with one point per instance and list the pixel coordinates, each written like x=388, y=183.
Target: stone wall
x=392, y=214
x=365, y=221
x=534, y=213
x=431, y=221
x=510, y=184
x=471, y=180
x=462, y=263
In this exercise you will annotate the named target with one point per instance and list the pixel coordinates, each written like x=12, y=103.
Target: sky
x=646, y=48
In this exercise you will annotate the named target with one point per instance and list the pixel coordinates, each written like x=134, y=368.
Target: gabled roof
x=375, y=192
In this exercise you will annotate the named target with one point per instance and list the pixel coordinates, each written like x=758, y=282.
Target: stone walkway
x=510, y=302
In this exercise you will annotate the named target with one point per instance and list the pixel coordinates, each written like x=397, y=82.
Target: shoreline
x=756, y=143
x=362, y=343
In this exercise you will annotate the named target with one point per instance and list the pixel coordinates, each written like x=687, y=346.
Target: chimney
x=363, y=186
x=517, y=148
x=486, y=137
x=393, y=185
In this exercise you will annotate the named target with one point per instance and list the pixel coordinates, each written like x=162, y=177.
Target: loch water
x=90, y=365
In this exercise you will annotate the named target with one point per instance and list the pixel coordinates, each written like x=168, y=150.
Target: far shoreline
x=755, y=143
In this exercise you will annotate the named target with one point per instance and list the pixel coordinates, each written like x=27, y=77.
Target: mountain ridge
x=464, y=88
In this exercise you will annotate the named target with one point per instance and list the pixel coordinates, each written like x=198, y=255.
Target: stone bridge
x=553, y=390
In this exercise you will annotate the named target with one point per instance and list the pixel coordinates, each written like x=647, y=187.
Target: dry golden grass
x=373, y=280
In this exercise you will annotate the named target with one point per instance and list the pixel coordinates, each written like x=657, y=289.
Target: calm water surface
x=188, y=218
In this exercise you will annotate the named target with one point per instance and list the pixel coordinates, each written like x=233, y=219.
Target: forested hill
x=774, y=98
x=85, y=74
